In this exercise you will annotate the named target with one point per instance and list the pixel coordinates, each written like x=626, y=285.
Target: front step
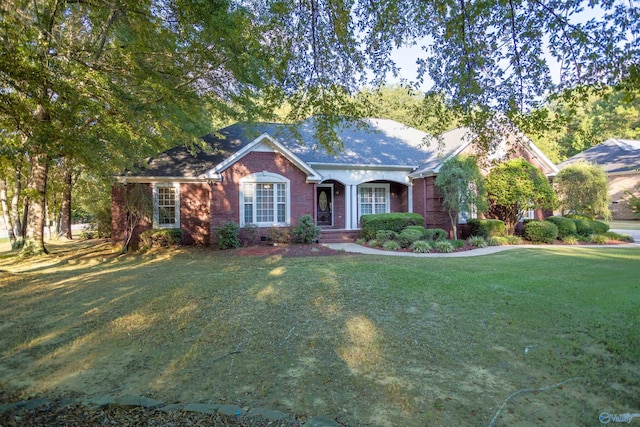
x=329, y=235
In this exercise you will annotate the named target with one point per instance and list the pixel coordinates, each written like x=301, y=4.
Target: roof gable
x=613, y=155
x=456, y=141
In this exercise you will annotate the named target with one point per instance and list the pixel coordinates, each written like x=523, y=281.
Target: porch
x=338, y=235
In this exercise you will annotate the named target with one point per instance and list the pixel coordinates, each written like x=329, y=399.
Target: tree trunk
x=65, y=208
x=34, y=241
x=18, y=230
x=5, y=212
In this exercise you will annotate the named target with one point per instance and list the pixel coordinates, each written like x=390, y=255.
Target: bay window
x=264, y=200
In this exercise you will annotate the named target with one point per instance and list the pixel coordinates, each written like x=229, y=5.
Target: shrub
x=279, y=235
x=374, y=243
x=228, y=235
x=391, y=245
x=566, y=226
x=306, y=231
x=619, y=237
x=419, y=228
x=513, y=240
x=442, y=246
x=570, y=240
x=584, y=227
x=457, y=243
x=486, y=227
x=477, y=241
x=496, y=241
x=540, y=231
x=421, y=247
x=384, y=235
x=397, y=221
x=250, y=234
x=599, y=227
x=435, y=234
x=599, y=239
x=361, y=241
x=408, y=236
x=163, y=237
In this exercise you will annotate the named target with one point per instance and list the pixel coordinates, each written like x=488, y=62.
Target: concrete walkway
x=355, y=248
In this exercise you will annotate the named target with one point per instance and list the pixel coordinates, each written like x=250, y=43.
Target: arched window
x=264, y=200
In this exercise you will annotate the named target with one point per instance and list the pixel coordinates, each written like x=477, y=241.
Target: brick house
x=266, y=175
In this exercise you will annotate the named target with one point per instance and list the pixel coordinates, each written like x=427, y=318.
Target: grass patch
x=367, y=339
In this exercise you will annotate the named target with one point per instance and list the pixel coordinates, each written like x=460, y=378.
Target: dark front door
x=324, y=206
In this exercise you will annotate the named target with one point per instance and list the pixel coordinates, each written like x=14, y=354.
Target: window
x=166, y=205
x=264, y=201
x=374, y=198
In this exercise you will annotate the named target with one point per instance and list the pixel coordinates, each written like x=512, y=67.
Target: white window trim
x=266, y=178
x=387, y=189
x=156, y=208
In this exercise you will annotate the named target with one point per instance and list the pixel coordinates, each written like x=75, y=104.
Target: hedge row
x=397, y=221
x=486, y=228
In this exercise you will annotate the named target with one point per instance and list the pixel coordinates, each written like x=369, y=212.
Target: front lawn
x=369, y=340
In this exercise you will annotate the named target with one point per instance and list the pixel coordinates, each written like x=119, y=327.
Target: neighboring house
x=620, y=159
x=266, y=175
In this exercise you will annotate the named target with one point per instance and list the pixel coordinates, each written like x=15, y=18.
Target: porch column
x=351, y=202
x=410, y=196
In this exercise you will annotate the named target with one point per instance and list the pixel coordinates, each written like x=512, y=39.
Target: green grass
x=365, y=339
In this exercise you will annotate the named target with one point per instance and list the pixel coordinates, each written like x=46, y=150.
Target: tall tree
x=582, y=189
x=515, y=187
x=461, y=185
x=105, y=83
x=574, y=124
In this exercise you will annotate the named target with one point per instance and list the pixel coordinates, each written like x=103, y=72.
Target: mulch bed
x=59, y=414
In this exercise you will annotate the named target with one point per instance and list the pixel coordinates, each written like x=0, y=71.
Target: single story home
x=269, y=174
x=620, y=159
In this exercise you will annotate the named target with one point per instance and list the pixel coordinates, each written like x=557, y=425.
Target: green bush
x=408, y=236
x=163, y=237
x=477, y=241
x=570, y=240
x=397, y=221
x=374, y=243
x=421, y=247
x=486, y=227
x=361, y=241
x=435, y=234
x=566, y=226
x=584, y=227
x=228, y=235
x=496, y=241
x=442, y=246
x=391, y=245
x=457, y=244
x=306, y=231
x=279, y=235
x=419, y=228
x=540, y=231
x=513, y=240
x=619, y=237
x=599, y=227
x=599, y=239
x=384, y=235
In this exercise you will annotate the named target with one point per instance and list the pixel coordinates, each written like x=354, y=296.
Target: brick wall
x=119, y=219
x=194, y=213
x=225, y=199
